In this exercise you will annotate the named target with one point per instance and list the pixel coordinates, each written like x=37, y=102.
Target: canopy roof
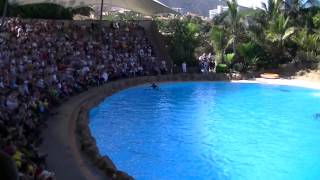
x=149, y=7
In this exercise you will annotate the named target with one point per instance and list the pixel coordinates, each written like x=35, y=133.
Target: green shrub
x=316, y=20
x=45, y=11
x=229, y=58
x=41, y=10
x=222, y=68
x=246, y=50
x=308, y=56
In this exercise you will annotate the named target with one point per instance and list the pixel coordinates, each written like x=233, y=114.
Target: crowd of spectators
x=206, y=63
x=43, y=62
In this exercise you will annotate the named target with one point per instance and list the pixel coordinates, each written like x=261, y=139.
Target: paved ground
x=60, y=143
x=313, y=76
x=288, y=82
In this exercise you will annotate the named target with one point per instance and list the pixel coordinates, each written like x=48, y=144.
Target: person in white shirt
x=105, y=76
x=184, y=67
x=164, y=68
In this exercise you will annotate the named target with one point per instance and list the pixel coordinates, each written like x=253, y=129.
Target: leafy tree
x=246, y=50
x=279, y=31
x=184, y=42
x=276, y=36
x=316, y=20
x=2, y=3
x=253, y=55
x=301, y=12
x=309, y=44
x=272, y=8
x=219, y=40
x=307, y=41
x=235, y=22
x=272, y=32
x=44, y=11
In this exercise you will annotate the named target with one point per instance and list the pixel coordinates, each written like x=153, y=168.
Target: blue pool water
x=213, y=131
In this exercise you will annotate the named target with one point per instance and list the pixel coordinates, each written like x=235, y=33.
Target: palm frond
x=289, y=32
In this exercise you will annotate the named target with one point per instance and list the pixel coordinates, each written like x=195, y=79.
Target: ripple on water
x=211, y=131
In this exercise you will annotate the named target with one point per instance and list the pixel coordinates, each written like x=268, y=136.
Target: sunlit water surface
x=211, y=131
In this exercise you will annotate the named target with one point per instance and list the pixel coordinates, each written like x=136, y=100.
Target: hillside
x=200, y=7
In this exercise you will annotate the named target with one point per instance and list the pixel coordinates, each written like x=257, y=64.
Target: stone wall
x=144, y=23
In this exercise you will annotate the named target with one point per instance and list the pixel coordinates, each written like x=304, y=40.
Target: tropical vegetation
x=277, y=34
x=43, y=11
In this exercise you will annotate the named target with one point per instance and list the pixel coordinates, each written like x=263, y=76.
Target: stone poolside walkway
x=60, y=142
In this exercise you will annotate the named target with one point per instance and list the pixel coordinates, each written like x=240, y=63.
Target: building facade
x=215, y=12
x=179, y=10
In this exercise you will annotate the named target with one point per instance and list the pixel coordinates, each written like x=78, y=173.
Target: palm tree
x=235, y=21
x=219, y=40
x=277, y=33
x=317, y=37
x=306, y=41
x=272, y=8
x=308, y=45
x=300, y=12
x=279, y=30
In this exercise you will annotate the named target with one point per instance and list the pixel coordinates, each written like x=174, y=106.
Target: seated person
x=8, y=169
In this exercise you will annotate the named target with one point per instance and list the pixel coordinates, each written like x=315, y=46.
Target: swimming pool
x=211, y=130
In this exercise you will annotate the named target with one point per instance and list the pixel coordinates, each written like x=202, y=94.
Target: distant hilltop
x=200, y=7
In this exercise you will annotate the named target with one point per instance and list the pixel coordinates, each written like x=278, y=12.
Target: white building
x=215, y=12
x=179, y=10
